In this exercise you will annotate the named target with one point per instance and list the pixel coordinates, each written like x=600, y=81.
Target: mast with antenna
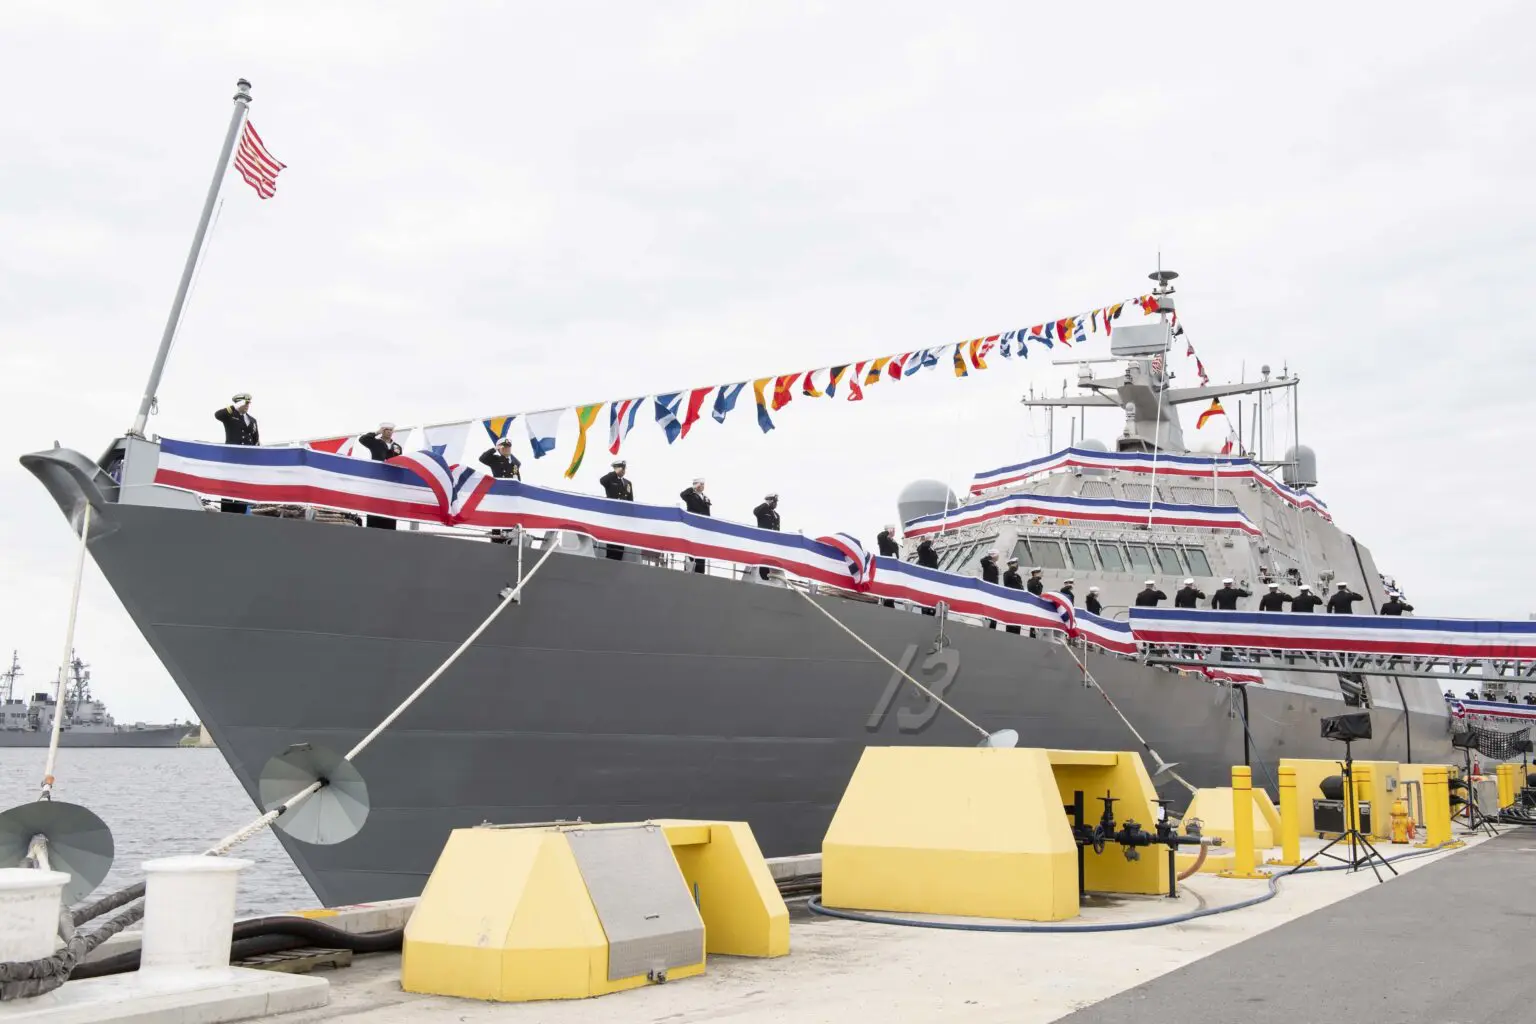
x=8, y=679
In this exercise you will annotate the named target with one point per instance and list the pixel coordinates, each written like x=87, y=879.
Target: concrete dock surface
x=1330, y=946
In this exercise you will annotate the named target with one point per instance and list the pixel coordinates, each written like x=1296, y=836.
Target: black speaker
x=1465, y=740
x=1348, y=727
x=1525, y=746
x=1332, y=787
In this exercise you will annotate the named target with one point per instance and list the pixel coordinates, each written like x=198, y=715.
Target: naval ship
x=85, y=721
x=621, y=690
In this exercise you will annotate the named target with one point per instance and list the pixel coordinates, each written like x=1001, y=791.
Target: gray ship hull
x=615, y=691
x=168, y=737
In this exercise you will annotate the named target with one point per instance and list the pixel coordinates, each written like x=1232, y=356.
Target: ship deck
x=1330, y=946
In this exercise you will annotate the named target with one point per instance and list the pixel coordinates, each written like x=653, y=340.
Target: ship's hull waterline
x=615, y=691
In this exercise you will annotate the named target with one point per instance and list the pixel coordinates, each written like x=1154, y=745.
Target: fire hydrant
x=1402, y=826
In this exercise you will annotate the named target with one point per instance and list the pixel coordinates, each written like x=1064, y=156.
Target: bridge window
x=1110, y=556
x=1081, y=553
x=1168, y=560
x=1044, y=554
x=1199, y=565
x=972, y=559
x=1141, y=558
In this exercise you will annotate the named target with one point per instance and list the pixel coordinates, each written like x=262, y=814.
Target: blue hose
x=814, y=903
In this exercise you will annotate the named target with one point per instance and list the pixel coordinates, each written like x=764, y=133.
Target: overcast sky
x=498, y=207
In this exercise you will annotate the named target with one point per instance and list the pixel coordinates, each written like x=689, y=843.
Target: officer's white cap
x=505, y=442
x=244, y=396
x=697, y=480
x=386, y=425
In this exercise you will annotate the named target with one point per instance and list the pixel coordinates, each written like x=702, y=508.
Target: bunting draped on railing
x=1379, y=635
x=423, y=487
x=1098, y=510
x=1194, y=469
x=676, y=412
x=1495, y=710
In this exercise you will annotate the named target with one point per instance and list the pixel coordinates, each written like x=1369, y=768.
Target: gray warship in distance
x=627, y=690
x=86, y=722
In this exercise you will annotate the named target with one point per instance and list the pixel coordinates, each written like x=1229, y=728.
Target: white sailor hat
x=770, y=497
x=697, y=480
x=1034, y=570
x=1189, y=581
x=1093, y=590
x=994, y=552
x=386, y=425
x=1305, y=587
x=1274, y=586
x=1393, y=593
x=1226, y=579
x=1069, y=579
x=890, y=528
x=1343, y=586
x=1014, y=560
x=1151, y=583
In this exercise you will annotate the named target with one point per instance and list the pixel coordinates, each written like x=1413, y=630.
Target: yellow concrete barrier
x=971, y=831
x=1290, y=820
x=1122, y=775
x=1243, y=828
x=1214, y=807
x=511, y=914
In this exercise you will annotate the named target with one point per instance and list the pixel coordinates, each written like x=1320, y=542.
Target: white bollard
x=189, y=912
x=29, y=913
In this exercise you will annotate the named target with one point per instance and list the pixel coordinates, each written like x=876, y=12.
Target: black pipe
x=1247, y=741
x=267, y=935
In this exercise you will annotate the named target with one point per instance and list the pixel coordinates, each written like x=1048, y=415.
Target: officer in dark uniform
x=697, y=502
x=382, y=446
x=767, y=519
x=1066, y=591
x=239, y=428
x=1275, y=600
x=1305, y=600
x=1395, y=604
x=1149, y=596
x=1013, y=581
x=989, y=574
x=1226, y=598
x=1339, y=603
x=1092, y=601
x=501, y=462
x=1035, y=585
x=890, y=548
x=1188, y=594
x=615, y=486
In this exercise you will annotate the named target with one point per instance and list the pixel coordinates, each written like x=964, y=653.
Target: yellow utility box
x=565, y=912
x=983, y=832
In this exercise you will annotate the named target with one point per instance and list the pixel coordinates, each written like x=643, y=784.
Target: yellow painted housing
x=506, y=915
x=981, y=832
x=1213, y=806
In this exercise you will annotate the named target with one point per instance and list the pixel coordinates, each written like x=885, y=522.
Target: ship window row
x=1081, y=556
x=1109, y=556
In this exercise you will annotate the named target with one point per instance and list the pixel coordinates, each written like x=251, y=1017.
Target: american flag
x=257, y=166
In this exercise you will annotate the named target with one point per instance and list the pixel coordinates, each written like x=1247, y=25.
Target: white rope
x=1161, y=765
x=902, y=672
x=234, y=839
x=66, y=659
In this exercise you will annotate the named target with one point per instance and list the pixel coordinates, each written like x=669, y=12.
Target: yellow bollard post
x=1437, y=808
x=1290, y=821
x=1362, y=795
x=1242, y=825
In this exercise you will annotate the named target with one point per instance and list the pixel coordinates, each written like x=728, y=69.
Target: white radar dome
x=924, y=497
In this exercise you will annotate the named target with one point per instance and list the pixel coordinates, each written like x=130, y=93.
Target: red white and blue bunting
x=1492, y=710
x=1201, y=468
x=423, y=487
x=1096, y=510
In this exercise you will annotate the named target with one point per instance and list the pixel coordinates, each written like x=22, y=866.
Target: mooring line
x=64, y=663
x=1161, y=765
x=509, y=596
x=901, y=671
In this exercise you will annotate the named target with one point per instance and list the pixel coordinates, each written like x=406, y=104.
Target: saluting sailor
x=619, y=489
x=697, y=502
x=382, y=447
x=239, y=428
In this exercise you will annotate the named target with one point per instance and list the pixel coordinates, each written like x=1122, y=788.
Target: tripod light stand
x=1347, y=729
